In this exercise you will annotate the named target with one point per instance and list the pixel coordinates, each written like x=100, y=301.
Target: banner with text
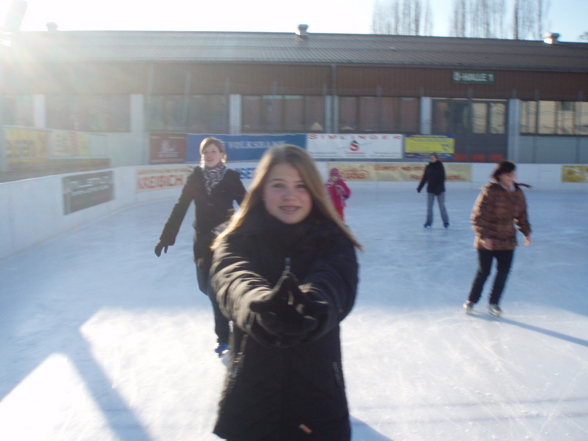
x=167, y=148
x=86, y=190
x=66, y=144
x=243, y=147
x=351, y=146
x=421, y=146
x=26, y=145
x=398, y=171
x=574, y=173
x=161, y=178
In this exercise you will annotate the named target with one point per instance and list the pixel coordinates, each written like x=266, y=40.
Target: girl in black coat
x=435, y=176
x=213, y=188
x=285, y=271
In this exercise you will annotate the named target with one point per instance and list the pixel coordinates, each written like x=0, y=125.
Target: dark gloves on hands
x=161, y=245
x=286, y=313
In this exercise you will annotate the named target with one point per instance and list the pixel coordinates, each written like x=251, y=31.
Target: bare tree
x=478, y=18
x=529, y=19
x=402, y=17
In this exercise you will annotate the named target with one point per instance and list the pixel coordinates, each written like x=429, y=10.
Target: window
x=17, y=110
x=582, y=119
x=479, y=117
x=283, y=113
x=192, y=114
x=528, y=116
x=554, y=117
x=441, y=117
x=348, y=114
x=498, y=118
x=409, y=115
x=368, y=114
x=89, y=113
x=379, y=114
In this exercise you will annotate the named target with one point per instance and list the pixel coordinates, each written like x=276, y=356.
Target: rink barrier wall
x=34, y=210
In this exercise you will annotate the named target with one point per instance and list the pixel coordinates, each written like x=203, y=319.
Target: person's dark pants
x=503, y=264
x=221, y=323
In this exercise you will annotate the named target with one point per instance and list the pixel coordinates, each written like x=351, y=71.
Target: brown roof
x=288, y=48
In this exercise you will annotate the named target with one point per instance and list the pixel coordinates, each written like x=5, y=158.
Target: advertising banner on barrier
x=243, y=147
x=26, y=145
x=421, y=146
x=574, y=173
x=161, y=178
x=86, y=190
x=167, y=148
x=66, y=143
x=350, y=146
x=398, y=171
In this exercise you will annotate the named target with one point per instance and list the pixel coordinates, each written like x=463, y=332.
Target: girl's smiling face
x=211, y=156
x=285, y=195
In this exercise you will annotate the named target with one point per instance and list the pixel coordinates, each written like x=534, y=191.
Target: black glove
x=286, y=313
x=161, y=245
x=418, y=190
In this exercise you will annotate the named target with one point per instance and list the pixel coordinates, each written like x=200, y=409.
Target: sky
x=566, y=17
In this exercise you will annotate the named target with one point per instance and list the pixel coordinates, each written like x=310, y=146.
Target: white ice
x=101, y=340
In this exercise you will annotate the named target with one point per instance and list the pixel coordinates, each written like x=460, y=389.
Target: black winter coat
x=211, y=210
x=275, y=393
x=435, y=176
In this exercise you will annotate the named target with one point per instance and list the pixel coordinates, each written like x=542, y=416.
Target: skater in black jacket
x=434, y=177
x=285, y=271
x=213, y=188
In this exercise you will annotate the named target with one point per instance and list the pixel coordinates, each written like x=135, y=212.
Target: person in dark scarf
x=285, y=272
x=213, y=188
x=434, y=175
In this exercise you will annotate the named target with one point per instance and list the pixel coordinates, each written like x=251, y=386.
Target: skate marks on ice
x=508, y=321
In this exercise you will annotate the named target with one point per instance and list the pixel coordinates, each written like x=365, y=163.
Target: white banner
x=354, y=146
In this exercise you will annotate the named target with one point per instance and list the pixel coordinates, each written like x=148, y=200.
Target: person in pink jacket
x=338, y=191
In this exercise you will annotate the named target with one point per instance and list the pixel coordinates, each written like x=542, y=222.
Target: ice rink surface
x=101, y=340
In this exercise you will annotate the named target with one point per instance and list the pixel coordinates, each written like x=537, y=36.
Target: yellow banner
x=26, y=145
x=66, y=143
x=398, y=171
x=425, y=144
x=574, y=173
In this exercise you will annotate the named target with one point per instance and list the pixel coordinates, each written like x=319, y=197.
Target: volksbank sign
x=468, y=77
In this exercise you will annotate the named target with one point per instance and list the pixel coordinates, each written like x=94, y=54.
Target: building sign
x=469, y=77
x=87, y=190
x=421, y=146
x=167, y=148
x=398, y=171
x=353, y=146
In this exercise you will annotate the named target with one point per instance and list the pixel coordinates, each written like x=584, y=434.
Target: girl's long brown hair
x=298, y=158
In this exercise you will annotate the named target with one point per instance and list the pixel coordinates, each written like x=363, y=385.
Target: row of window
x=554, y=117
x=296, y=114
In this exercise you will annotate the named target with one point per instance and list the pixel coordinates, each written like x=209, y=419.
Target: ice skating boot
x=494, y=309
x=468, y=306
x=222, y=348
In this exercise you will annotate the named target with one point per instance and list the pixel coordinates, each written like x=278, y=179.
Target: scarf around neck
x=213, y=175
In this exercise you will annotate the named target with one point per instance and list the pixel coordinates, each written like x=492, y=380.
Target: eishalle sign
x=469, y=77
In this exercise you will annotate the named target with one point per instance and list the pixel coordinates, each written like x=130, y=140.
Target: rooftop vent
x=51, y=26
x=302, y=31
x=551, y=38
